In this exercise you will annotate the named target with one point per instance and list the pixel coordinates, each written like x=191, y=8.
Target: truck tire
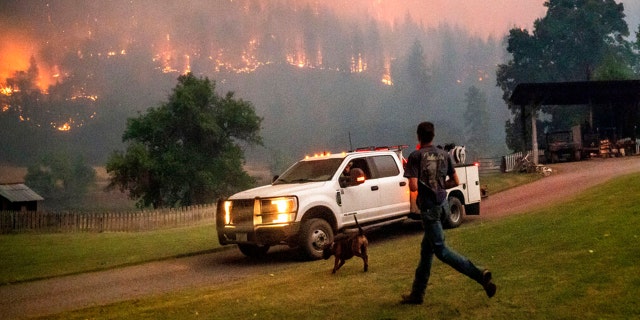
x=315, y=234
x=252, y=250
x=452, y=218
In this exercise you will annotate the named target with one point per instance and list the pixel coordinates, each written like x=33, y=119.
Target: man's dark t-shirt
x=431, y=166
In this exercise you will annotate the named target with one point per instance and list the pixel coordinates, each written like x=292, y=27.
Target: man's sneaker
x=487, y=283
x=410, y=299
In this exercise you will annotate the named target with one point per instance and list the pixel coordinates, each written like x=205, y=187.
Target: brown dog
x=344, y=247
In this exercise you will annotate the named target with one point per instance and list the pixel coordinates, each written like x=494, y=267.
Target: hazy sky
x=484, y=17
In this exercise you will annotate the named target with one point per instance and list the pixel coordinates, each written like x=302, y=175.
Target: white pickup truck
x=310, y=202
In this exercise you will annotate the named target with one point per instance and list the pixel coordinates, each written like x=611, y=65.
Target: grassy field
x=578, y=260
x=497, y=182
x=36, y=256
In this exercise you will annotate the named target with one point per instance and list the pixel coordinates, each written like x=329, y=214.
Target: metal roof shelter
x=18, y=197
x=613, y=103
x=573, y=93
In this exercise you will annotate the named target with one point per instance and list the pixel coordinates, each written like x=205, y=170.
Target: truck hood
x=278, y=190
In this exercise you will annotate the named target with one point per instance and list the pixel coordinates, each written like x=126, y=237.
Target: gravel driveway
x=98, y=288
x=568, y=179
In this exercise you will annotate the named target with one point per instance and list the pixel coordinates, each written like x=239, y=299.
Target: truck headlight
x=278, y=210
x=227, y=212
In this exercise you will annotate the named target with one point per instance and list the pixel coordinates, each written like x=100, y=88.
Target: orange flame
x=16, y=55
x=64, y=127
x=7, y=91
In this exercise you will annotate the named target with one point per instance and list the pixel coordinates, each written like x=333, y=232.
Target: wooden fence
x=504, y=163
x=489, y=165
x=126, y=221
x=510, y=160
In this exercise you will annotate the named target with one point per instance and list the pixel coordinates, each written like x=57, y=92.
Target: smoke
x=313, y=69
x=219, y=28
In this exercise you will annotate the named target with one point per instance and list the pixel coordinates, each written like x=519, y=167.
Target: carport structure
x=612, y=104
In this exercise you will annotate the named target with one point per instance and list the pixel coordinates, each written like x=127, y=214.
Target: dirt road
x=567, y=180
x=98, y=288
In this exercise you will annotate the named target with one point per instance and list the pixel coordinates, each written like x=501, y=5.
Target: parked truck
x=564, y=145
x=312, y=201
x=571, y=145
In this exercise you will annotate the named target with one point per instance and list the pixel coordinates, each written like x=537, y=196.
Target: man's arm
x=413, y=184
x=452, y=182
x=455, y=178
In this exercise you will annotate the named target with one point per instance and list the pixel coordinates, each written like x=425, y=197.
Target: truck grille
x=242, y=212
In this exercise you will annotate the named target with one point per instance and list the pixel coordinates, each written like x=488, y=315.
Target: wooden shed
x=18, y=197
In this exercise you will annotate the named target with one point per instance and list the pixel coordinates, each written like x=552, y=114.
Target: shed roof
x=18, y=193
x=579, y=92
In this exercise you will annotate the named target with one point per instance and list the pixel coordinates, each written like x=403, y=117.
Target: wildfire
x=187, y=67
x=15, y=53
x=7, y=91
x=297, y=59
x=358, y=65
x=172, y=60
x=386, y=77
x=64, y=127
x=168, y=57
x=69, y=124
x=82, y=96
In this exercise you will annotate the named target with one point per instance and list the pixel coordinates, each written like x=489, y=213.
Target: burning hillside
x=232, y=36
x=81, y=64
x=69, y=47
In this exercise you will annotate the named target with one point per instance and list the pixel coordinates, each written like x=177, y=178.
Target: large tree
x=189, y=149
x=572, y=41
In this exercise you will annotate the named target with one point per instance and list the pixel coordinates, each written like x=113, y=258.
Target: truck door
x=473, y=182
x=361, y=199
x=393, y=192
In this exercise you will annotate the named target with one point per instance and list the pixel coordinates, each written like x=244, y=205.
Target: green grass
x=577, y=260
x=35, y=256
x=497, y=182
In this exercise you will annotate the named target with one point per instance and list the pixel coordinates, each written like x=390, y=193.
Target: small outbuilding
x=613, y=104
x=18, y=197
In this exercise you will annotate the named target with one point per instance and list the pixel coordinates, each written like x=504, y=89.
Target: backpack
x=433, y=172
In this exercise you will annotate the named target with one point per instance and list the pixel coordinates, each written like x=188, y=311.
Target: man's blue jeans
x=433, y=244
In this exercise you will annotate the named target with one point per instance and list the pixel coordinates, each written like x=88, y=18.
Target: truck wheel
x=252, y=250
x=453, y=218
x=314, y=235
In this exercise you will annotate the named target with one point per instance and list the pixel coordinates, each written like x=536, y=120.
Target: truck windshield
x=309, y=171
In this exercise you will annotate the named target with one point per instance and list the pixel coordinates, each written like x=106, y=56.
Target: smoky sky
x=129, y=53
x=50, y=29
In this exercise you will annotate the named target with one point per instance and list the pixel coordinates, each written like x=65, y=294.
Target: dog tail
x=357, y=224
